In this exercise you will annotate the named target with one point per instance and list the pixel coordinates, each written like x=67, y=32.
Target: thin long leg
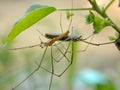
x=58, y=59
x=62, y=45
x=87, y=45
x=70, y=16
x=89, y=36
x=33, y=71
x=40, y=33
x=46, y=70
x=92, y=36
x=52, y=69
x=58, y=75
x=98, y=44
x=26, y=47
x=63, y=53
x=69, y=23
x=61, y=22
x=68, y=65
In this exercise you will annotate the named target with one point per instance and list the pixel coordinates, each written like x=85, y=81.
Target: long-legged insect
x=55, y=37
x=77, y=39
x=46, y=45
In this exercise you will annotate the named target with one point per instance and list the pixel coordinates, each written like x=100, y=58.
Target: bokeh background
x=94, y=69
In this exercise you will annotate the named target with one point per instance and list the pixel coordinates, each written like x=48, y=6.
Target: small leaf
x=69, y=14
x=90, y=18
x=117, y=34
x=112, y=38
x=33, y=14
x=99, y=24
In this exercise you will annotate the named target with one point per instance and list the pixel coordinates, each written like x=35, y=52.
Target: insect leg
x=61, y=51
x=52, y=72
x=58, y=75
x=64, y=54
x=97, y=44
x=38, y=67
x=71, y=60
x=40, y=33
x=89, y=36
x=61, y=22
x=92, y=36
x=26, y=47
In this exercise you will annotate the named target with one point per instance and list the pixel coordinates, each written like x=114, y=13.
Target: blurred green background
x=96, y=69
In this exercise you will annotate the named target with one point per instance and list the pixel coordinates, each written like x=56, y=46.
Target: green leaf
x=90, y=18
x=33, y=14
x=117, y=34
x=106, y=86
x=99, y=24
x=112, y=38
x=69, y=14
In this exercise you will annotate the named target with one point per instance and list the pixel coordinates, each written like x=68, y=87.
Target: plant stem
x=74, y=9
x=72, y=69
x=95, y=7
x=103, y=13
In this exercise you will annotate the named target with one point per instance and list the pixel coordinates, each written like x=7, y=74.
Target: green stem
x=103, y=13
x=74, y=9
x=72, y=69
x=109, y=4
x=114, y=25
x=95, y=7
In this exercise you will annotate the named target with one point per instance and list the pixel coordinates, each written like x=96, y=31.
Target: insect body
x=75, y=39
x=57, y=38
x=66, y=38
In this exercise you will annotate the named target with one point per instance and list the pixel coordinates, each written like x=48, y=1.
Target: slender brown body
x=57, y=38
